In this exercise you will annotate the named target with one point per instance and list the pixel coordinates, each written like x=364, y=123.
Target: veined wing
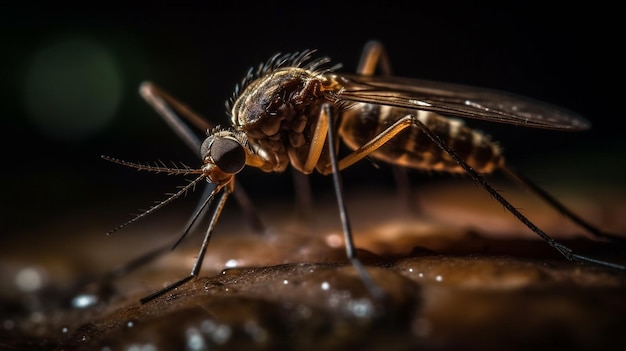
x=458, y=100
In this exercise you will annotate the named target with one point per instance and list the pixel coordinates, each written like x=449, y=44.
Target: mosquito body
x=295, y=110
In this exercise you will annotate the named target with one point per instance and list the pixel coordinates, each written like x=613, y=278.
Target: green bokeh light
x=72, y=89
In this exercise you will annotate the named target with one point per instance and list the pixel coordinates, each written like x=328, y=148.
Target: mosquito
x=295, y=109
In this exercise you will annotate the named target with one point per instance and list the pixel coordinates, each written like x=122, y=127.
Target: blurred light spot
x=219, y=333
x=422, y=327
x=258, y=334
x=8, y=324
x=325, y=286
x=195, y=340
x=304, y=311
x=72, y=89
x=231, y=263
x=334, y=240
x=141, y=347
x=361, y=308
x=84, y=301
x=29, y=279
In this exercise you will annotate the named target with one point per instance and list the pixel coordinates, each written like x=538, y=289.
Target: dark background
x=569, y=56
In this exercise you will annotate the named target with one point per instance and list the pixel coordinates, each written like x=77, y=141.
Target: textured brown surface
x=463, y=275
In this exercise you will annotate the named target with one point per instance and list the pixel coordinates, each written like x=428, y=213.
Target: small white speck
x=285, y=281
x=325, y=286
x=420, y=274
x=438, y=278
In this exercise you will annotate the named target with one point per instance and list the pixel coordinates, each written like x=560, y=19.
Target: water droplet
x=232, y=271
x=195, y=340
x=361, y=308
x=231, y=263
x=84, y=301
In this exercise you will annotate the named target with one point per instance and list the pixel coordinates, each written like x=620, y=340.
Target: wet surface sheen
x=448, y=287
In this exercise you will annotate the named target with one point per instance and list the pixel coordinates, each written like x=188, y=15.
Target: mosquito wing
x=458, y=100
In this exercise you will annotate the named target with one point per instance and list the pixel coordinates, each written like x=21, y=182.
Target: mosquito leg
x=158, y=99
x=375, y=57
x=374, y=290
x=161, y=102
x=518, y=177
x=372, y=145
x=564, y=250
x=409, y=120
x=198, y=264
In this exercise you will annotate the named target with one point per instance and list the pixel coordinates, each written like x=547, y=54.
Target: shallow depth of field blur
x=69, y=95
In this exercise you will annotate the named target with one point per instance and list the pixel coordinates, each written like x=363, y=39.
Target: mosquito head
x=223, y=154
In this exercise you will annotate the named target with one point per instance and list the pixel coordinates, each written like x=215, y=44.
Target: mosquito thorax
x=277, y=100
x=276, y=112
x=274, y=97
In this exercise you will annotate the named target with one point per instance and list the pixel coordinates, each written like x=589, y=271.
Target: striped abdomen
x=411, y=147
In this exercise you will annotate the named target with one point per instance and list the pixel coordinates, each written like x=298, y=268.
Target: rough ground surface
x=458, y=276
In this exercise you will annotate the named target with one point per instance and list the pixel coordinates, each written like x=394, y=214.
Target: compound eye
x=228, y=155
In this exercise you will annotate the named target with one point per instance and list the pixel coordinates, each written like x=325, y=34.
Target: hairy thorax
x=278, y=113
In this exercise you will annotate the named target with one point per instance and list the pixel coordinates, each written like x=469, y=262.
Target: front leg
x=167, y=107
